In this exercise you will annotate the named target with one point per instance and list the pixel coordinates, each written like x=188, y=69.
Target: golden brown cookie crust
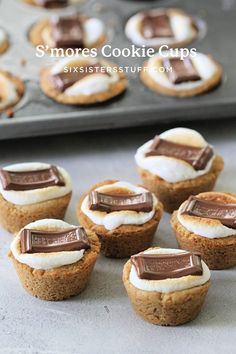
x=206, y=86
x=20, y=88
x=4, y=46
x=173, y=194
x=126, y=239
x=49, y=90
x=62, y=282
x=218, y=253
x=167, y=309
x=14, y=217
x=35, y=34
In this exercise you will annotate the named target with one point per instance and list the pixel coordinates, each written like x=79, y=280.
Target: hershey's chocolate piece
x=51, y=3
x=28, y=180
x=164, y=266
x=64, y=80
x=116, y=202
x=224, y=212
x=197, y=157
x=67, y=31
x=182, y=70
x=156, y=26
x=33, y=241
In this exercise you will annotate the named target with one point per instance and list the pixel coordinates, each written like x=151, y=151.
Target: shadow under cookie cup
x=166, y=309
x=14, y=217
x=171, y=195
x=125, y=240
x=217, y=253
x=62, y=282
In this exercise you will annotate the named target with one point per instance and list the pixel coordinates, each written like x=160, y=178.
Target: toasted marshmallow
x=205, y=66
x=91, y=84
x=206, y=227
x=168, y=168
x=45, y=260
x=115, y=219
x=171, y=284
x=93, y=29
x=39, y=195
x=181, y=24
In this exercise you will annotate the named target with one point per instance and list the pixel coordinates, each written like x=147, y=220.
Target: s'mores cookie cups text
x=32, y=191
x=11, y=90
x=176, y=164
x=71, y=31
x=156, y=27
x=206, y=223
x=166, y=286
x=4, y=41
x=54, y=259
x=81, y=81
x=125, y=217
x=173, y=76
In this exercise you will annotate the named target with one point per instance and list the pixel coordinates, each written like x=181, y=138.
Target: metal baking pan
x=37, y=115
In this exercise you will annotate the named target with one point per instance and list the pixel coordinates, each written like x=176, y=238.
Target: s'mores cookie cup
x=71, y=31
x=173, y=76
x=31, y=191
x=157, y=27
x=177, y=164
x=166, y=286
x=4, y=41
x=54, y=259
x=82, y=81
x=206, y=223
x=125, y=217
x=11, y=90
x=51, y=4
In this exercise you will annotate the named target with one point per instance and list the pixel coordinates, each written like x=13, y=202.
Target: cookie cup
x=166, y=309
x=171, y=195
x=206, y=86
x=114, y=90
x=36, y=38
x=14, y=217
x=19, y=86
x=62, y=282
x=125, y=240
x=218, y=253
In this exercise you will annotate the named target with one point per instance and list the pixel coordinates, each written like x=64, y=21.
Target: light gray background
x=101, y=320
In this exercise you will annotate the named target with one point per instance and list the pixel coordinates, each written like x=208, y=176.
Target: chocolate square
x=142, y=202
x=224, y=212
x=182, y=70
x=34, y=241
x=154, y=26
x=51, y=3
x=29, y=180
x=197, y=157
x=165, y=266
x=67, y=31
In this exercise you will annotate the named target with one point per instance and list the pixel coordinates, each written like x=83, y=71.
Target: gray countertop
x=101, y=320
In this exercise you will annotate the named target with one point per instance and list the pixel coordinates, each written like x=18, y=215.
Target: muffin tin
x=38, y=115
